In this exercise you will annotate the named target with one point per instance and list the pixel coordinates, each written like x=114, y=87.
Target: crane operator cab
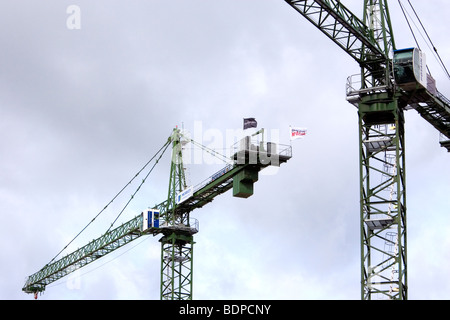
x=150, y=219
x=410, y=69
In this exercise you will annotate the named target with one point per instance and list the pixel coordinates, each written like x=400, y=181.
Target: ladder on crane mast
x=383, y=226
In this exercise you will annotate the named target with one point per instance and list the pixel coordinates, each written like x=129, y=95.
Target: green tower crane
x=171, y=218
x=386, y=87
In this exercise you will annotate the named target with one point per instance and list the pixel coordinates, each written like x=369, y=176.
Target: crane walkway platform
x=374, y=224
x=433, y=106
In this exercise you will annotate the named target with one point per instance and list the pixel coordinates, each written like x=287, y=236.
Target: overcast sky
x=84, y=106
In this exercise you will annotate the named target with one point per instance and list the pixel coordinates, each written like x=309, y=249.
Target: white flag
x=297, y=133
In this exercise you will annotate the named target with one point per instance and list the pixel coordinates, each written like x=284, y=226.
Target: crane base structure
x=171, y=218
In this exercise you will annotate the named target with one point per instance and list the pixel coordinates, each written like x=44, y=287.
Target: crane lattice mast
x=178, y=241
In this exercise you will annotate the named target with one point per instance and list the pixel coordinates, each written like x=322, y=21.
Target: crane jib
x=343, y=27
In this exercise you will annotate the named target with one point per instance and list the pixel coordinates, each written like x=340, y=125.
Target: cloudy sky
x=85, y=104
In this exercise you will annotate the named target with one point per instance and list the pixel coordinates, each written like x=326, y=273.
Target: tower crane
x=386, y=87
x=171, y=218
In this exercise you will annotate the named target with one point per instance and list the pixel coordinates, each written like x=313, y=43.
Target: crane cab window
x=409, y=67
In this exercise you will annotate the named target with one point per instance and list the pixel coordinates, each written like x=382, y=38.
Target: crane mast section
x=345, y=29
